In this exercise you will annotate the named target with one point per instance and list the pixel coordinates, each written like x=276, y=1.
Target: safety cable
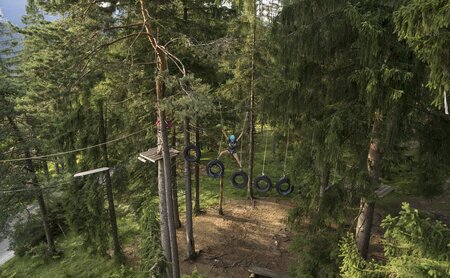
x=73, y=151
x=287, y=146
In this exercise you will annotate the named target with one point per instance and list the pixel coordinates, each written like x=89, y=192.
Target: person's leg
x=221, y=153
x=236, y=156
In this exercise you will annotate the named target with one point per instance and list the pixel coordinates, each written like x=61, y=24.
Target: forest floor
x=244, y=236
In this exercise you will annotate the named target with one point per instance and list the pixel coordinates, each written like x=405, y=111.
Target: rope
x=73, y=151
x=242, y=154
x=242, y=140
x=287, y=146
x=265, y=151
x=220, y=141
x=26, y=189
x=445, y=103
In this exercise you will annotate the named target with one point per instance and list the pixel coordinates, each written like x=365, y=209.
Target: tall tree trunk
x=187, y=179
x=162, y=68
x=34, y=179
x=274, y=145
x=176, y=212
x=57, y=167
x=163, y=221
x=367, y=205
x=325, y=179
x=108, y=184
x=251, y=148
x=197, y=175
x=46, y=170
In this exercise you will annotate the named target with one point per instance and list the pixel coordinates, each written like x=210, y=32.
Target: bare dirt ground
x=244, y=236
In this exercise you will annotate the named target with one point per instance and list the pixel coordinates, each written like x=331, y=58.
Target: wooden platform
x=152, y=156
x=90, y=172
x=384, y=190
x=256, y=271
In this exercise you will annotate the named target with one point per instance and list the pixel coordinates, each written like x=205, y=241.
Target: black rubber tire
x=235, y=183
x=216, y=163
x=280, y=182
x=258, y=187
x=188, y=157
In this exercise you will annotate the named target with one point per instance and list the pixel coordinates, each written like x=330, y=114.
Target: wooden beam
x=264, y=272
x=90, y=172
x=384, y=190
x=152, y=155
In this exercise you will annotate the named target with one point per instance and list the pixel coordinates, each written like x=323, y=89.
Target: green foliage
x=28, y=237
x=424, y=26
x=317, y=251
x=194, y=274
x=75, y=262
x=413, y=246
x=153, y=263
x=353, y=265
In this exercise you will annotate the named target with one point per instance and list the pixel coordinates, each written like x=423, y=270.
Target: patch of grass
x=75, y=262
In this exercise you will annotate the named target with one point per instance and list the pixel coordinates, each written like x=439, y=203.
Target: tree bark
x=187, y=179
x=325, y=179
x=162, y=68
x=274, y=145
x=176, y=211
x=108, y=184
x=57, y=167
x=197, y=209
x=163, y=222
x=251, y=145
x=367, y=206
x=34, y=179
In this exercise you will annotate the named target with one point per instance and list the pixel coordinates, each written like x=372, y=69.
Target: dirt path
x=243, y=237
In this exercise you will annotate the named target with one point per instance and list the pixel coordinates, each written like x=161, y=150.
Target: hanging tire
x=237, y=184
x=192, y=158
x=260, y=187
x=215, y=173
x=279, y=186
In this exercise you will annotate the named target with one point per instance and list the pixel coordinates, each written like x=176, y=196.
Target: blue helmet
x=232, y=138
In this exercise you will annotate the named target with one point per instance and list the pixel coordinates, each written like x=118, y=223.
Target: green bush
x=413, y=246
x=28, y=234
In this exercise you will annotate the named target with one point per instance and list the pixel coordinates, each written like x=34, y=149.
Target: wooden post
x=190, y=246
x=108, y=185
x=221, y=196
x=197, y=175
x=164, y=226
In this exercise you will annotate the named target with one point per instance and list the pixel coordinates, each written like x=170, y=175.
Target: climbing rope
x=265, y=151
x=287, y=146
x=221, y=123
